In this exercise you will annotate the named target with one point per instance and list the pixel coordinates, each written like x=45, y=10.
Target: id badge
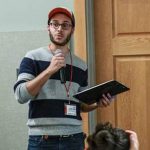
x=70, y=110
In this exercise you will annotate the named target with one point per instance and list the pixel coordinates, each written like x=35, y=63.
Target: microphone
x=62, y=71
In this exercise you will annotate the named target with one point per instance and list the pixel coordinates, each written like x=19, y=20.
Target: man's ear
x=72, y=31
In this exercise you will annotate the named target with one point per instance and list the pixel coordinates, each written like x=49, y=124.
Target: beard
x=62, y=43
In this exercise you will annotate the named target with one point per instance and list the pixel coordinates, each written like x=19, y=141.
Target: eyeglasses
x=65, y=26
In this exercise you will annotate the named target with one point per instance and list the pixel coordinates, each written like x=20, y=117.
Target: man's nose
x=60, y=27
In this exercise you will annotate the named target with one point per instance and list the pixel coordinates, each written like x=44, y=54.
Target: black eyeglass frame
x=64, y=26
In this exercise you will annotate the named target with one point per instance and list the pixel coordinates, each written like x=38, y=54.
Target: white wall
x=25, y=15
x=22, y=28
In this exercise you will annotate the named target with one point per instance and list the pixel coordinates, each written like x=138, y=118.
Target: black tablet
x=93, y=94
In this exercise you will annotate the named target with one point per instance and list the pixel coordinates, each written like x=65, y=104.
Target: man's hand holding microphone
x=58, y=63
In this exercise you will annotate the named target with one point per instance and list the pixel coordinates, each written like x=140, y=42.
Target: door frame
x=92, y=121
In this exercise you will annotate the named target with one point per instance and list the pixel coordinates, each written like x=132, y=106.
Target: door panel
x=132, y=107
x=131, y=16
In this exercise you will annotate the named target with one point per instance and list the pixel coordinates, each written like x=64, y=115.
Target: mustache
x=62, y=43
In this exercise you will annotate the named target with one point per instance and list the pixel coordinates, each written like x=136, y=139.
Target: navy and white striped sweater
x=46, y=110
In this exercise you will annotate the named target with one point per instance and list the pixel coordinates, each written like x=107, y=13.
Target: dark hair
x=106, y=137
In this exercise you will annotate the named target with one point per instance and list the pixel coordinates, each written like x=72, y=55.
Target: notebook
x=93, y=94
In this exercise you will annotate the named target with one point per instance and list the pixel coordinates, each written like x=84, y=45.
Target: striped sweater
x=46, y=110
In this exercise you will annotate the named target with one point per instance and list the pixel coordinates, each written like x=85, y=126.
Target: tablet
x=93, y=94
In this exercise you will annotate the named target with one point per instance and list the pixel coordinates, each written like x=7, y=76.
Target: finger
x=60, y=55
x=109, y=96
x=59, y=59
x=105, y=98
x=130, y=132
x=103, y=103
x=62, y=64
x=133, y=137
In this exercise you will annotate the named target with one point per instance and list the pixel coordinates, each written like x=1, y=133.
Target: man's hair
x=106, y=137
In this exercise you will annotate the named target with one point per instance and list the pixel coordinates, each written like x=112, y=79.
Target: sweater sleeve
x=84, y=79
x=27, y=72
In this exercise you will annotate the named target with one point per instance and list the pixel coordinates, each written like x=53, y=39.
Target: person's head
x=61, y=24
x=106, y=137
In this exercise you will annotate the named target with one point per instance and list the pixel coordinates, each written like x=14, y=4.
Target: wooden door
x=122, y=44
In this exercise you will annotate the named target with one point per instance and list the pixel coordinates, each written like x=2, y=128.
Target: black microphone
x=62, y=71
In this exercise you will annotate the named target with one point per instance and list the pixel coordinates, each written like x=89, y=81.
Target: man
x=54, y=115
x=106, y=137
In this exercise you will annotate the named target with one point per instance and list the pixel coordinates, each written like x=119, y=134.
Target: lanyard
x=67, y=88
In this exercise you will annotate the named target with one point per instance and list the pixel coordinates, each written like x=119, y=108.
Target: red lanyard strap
x=70, y=82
